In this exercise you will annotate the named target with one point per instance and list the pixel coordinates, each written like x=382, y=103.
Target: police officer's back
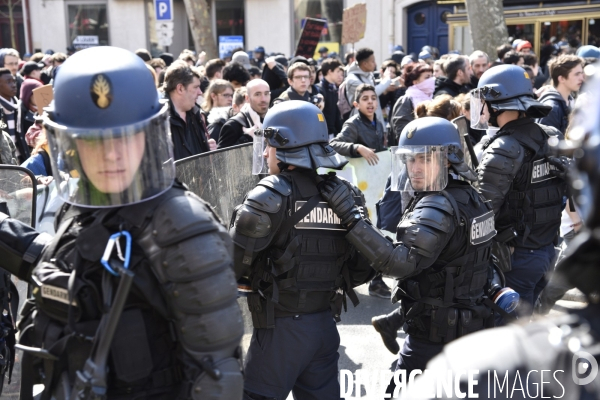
x=517, y=175
x=126, y=220
x=292, y=248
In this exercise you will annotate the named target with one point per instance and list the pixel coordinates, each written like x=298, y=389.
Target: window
x=524, y=32
x=88, y=25
x=419, y=18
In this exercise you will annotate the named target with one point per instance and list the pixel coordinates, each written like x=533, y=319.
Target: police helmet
x=508, y=88
x=108, y=132
x=436, y=131
x=297, y=129
x=588, y=51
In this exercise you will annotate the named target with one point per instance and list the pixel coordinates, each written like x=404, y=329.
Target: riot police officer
x=291, y=246
x=517, y=175
x=135, y=296
x=553, y=357
x=441, y=255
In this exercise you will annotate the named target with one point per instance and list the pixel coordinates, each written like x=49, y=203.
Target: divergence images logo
x=585, y=368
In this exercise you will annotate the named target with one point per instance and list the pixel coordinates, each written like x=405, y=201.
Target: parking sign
x=163, y=10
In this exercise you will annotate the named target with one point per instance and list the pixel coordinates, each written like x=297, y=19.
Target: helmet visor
x=115, y=166
x=419, y=168
x=259, y=146
x=479, y=112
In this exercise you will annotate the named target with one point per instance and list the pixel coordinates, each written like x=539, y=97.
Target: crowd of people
x=311, y=112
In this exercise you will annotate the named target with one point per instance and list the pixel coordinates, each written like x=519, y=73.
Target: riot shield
x=18, y=192
x=462, y=124
x=222, y=177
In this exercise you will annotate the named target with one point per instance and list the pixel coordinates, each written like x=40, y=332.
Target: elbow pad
x=20, y=247
x=395, y=261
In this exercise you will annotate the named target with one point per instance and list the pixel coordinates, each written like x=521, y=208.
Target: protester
x=333, y=76
x=420, y=85
x=567, y=76
x=182, y=88
x=458, y=74
x=362, y=134
x=361, y=71
x=240, y=128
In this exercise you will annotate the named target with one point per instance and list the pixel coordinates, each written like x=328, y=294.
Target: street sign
x=85, y=41
x=164, y=32
x=163, y=10
x=228, y=43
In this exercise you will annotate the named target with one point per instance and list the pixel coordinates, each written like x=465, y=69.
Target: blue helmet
x=108, y=132
x=103, y=87
x=297, y=129
x=508, y=87
x=588, y=51
x=436, y=131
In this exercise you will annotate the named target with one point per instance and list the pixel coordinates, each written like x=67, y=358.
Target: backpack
x=343, y=103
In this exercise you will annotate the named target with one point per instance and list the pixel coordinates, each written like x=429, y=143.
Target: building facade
x=277, y=24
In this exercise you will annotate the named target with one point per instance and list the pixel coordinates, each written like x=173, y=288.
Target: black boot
x=387, y=326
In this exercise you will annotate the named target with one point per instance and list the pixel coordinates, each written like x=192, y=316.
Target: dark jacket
x=215, y=121
x=189, y=136
x=232, y=132
x=332, y=114
x=559, y=115
x=444, y=85
x=358, y=130
x=402, y=113
x=291, y=94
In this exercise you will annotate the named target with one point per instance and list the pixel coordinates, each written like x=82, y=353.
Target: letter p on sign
x=163, y=10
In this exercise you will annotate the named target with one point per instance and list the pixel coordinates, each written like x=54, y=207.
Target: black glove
x=341, y=200
x=561, y=166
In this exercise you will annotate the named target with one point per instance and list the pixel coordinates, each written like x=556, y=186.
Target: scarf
x=422, y=91
x=255, y=119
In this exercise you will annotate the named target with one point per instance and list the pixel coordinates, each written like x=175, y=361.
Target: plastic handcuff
x=112, y=242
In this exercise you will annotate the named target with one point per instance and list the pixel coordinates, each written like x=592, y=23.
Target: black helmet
x=508, y=88
x=435, y=131
x=297, y=129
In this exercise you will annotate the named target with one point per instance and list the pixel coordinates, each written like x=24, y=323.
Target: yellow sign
x=331, y=46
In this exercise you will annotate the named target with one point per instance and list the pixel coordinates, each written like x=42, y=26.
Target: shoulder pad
x=264, y=199
x=251, y=222
x=182, y=217
x=437, y=201
x=551, y=131
x=434, y=211
x=277, y=183
x=506, y=146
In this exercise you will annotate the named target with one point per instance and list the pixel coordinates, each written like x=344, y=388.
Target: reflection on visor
x=423, y=168
x=115, y=166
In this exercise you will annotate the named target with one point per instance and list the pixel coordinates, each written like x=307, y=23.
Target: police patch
x=541, y=171
x=320, y=217
x=483, y=228
x=57, y=294
x=101, y=91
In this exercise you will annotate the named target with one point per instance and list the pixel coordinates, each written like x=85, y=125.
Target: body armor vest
x=304, y=269
x=535, y=201
x=70, y=288
x=445, y=301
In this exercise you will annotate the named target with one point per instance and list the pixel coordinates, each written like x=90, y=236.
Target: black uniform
x=179, y=332
x=515, y=175
x=442, y=260
x=301, y=269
